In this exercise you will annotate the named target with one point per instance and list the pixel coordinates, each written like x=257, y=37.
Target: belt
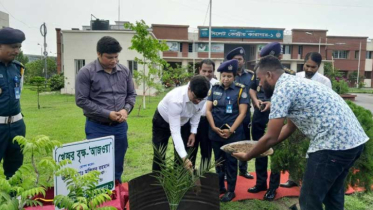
x=103, y=123
x=10, y=119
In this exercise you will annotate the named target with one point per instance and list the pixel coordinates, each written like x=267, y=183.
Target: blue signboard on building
x=242, y=33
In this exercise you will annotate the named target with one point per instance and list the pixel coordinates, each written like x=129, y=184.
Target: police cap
x=236, y=51
x=273, y=48
x=11, y=36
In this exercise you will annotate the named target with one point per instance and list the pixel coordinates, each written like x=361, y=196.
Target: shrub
x=56, y=82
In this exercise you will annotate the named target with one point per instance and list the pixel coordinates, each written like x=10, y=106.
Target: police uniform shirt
x=176, y=109
x=219, y=98
x=246, y=78
x=212, y=82
x=9, y=105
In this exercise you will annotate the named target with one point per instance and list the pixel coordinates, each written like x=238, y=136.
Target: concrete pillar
x=293, y=66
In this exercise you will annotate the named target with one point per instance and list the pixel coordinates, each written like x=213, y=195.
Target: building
x=76, y=47
x=4, y=20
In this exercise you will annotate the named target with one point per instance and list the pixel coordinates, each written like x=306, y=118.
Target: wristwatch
x=127, y=109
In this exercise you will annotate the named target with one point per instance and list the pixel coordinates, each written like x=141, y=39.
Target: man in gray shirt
x=105, y=91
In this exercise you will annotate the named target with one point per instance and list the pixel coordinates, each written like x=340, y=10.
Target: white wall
x=82, y=45
x=4, y=20
x=368, y=64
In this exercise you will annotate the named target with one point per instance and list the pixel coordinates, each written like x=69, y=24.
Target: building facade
x=187, y=48
x=4, y=20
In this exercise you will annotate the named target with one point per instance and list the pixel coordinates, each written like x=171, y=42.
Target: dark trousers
x=161, y=134
x=259, y=124
x=9, y=151
x=94, y=130
x=228, y=166
x=202, y=139
x=242, y=165
x=323, y=181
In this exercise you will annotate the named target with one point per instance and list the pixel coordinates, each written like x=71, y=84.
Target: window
x=79, y=63
x=368, y=75
x=300, y=50
x=299, y=67
x=286, y=49
x=181, y=47
x=286, y=65
x=369, y=55
x=357, y=54
x=132, y=65
x=340, y=54
x=190, y=47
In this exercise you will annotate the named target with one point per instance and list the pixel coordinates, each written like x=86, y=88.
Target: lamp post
x=358, y=67
x=310, y=33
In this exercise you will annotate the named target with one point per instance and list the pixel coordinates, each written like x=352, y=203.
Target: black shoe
x=256, y=189
x=223, y=191
x=270, y=195
x=289, y=184
x=247, y=175
x=227, y=197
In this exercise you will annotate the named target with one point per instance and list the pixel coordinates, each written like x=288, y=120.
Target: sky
x=339, y=17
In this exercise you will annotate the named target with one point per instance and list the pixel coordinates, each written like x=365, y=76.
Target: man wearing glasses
x=171, y=118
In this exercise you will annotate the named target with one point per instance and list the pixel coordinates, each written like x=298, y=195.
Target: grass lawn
x=60, y=119
x=360, y=90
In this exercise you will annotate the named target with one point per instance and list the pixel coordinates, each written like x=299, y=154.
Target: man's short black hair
x=269, y=63
x=314, y=56
x=108, y=44
x=208, y=62
x=200, y=86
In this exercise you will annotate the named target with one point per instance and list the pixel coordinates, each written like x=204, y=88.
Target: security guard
x=262, y=105
x=245, y=77
x=11, y=122
x=225, y=110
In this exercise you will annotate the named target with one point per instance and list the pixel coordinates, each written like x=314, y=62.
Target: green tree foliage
x=150, y=48
x=32, y=178
x=290, y=154
x=83, y=193
x=178, y=74
x=35, y=68
x=339, y=83
x=22, y=58
x=38, y=84
x=57, y=82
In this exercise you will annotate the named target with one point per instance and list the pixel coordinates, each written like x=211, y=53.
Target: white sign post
x=88, y=155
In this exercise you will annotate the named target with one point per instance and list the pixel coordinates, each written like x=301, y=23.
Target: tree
x=178, y=75
x=35, y=68
x=38, y=83
x=150, y=48
x=22, y=58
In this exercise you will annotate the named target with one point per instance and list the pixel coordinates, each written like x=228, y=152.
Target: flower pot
x=145, y=194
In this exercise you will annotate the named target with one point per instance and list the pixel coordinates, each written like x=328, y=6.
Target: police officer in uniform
x=260, y=119
x=225, y=111
x=11, y=120
x=245, y=77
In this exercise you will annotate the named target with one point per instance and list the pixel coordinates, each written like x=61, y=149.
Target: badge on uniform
x=258, y=88
x=244, y=95
x=218, y=93
x=17, y=89
x=209, y=93
x=215, y=103
x=229, y=108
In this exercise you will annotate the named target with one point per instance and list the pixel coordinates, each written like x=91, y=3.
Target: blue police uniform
x=259, y=124
x=225, y=110
x=246, y=78
x=11, y=120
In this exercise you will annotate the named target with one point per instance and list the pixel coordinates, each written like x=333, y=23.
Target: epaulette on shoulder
x=217, y=84
x=239, y=85
x=289, y=71
x=18, y=63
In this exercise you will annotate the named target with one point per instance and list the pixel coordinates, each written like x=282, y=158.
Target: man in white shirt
x=177, y=108
x=207, y=68
x=312, y=63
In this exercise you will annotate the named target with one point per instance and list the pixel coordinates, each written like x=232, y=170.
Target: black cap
x=11, y=36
